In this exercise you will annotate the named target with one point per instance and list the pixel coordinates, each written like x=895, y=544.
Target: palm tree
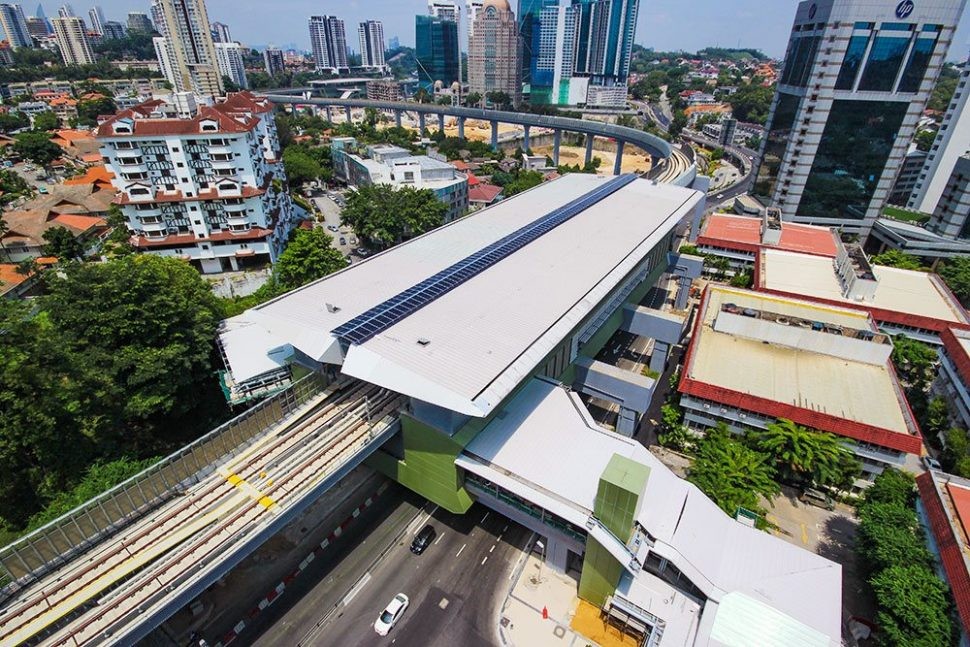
x=802, y=455
x=730, y=473
x=27, y=267
x=4, y=228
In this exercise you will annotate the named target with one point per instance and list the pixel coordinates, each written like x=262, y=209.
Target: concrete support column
x=661, y=351
x=556, y=554
x=421, y=123
x=525, y=139
x=441, y=123
x=461, y=128
x=329, y=114
x=654, y=160
x=350, y=114
x=397, y=118
x=618, y=164
x=589, y=148
x=494, y=135
x=683, y=293
x=556, y=143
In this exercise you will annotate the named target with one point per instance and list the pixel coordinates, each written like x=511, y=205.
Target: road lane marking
x=460, y=549
x=421, y=524
x=361, y=583
x=483, y=561
x=492, y=548
x=486, y=516
x=439, y=538
x=804, y=534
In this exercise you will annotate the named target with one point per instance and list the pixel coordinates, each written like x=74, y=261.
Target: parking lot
x=344, y=237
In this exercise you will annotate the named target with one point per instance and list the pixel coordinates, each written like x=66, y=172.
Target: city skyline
x=662, y=24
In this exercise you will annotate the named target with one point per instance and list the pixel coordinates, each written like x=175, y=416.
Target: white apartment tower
x=856, y=79
x=445, y=9
x=72, y=40
x=952, y=141
x=15, y=26
x=186, y=53
x=207, y=187
x=472, y=7
x=371, y=33
x=220, y=33
x=328, y=40
x=97, y=19
x=230, y=58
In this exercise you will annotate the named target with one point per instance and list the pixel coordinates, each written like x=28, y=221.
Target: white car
x=391, y=614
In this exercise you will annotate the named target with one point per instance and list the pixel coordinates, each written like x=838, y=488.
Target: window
x=919, y=60
x=885, y=59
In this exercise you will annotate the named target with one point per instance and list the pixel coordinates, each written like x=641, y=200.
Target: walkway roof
x=467, y=350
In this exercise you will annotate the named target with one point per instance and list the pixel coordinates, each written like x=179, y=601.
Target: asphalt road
x=455, y=587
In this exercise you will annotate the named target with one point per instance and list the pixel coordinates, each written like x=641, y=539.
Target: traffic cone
x=545, y=613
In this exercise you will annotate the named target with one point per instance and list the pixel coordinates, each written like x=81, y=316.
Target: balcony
x=200, y=164
x=153, y=227
x=144, y=214
x=220, y=149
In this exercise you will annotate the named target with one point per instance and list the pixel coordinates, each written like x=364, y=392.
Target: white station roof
x=483, y=337
x=545, y=447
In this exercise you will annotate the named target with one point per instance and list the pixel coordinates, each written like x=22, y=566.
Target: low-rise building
x=755, y=358
x=740, y=238
x=916, y=304
x=952, y=382
x=201, y=183
x=395, y=166
x=78, y=145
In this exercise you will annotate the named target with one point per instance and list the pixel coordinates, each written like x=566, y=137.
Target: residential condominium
x=328, y=40
x=15, y=26
x=220, y=32
x=140, y=22
x=231, y=66
x=207, y=186
x=371, y=33
x=856, y=79
x=273, y=60
x=72, y=40
x=493, y=62
x=186, y=53
x=114, y=30
x=97, y=19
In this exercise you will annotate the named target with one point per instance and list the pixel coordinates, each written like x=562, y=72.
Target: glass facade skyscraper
x=436, y=50
x=855, y=81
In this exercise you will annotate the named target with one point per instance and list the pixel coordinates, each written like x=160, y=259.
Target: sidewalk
x=537, y=586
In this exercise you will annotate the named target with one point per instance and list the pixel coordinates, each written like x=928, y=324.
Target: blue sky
x=663, y=24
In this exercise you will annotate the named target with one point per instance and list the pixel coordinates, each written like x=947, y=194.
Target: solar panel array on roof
x=386, y=314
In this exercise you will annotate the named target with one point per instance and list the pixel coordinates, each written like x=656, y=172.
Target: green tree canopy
x=896, y=258
x=61, y=242
x=37, y=147
x=804, y=456
x=46, y=121
x=956, y=272
x=730, y=473
x=914, y=607
x=914, y=361
x=386, y=216
x=308, y=257
x=11, y=121
x=88, y=110
x=300, y=167
x=752, y=102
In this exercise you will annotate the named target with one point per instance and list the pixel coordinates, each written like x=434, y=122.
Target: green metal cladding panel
x=601, y=574
x=618, y=495
x=428, y=467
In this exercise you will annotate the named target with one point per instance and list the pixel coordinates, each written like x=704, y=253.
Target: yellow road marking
x=804, y=534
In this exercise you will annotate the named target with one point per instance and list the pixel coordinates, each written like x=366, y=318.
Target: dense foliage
x=308, y=256
x=386, y=216
x=956, y=272
x=898, y=259
x=35, y=64
x=37, y=147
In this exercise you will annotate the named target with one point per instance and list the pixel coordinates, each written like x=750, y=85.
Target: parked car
x=362, y=252
x=931, y=463
x=391, y=614
x=817, y=498
x=332, y=228
x=343, y=241
x=423, y=540
x=42, y=189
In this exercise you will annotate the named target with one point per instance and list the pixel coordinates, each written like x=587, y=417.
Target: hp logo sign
x=904, y=9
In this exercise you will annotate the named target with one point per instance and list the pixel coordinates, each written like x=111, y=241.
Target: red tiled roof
x=949, y=545
x=743, y=233
x=255, y=233
x=80, y=223
x=234, y=115
x=10, y=277
x=178, y=196
x=460, y=165
x=484, y=193
x=957, y=353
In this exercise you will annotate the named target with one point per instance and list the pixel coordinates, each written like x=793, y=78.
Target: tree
x=299, y=166
x=118, y=242
x=898, y=259
x=924, y=139
x=955, y=271
x=473, y=99
x=308, y=256
x=12, y=186
x=37, y=147
x=914, y=361
x=88, y=110
x=891, y=486
x=524, y=180
x=62, y=243
x=913, y=607
x=890, y=533
x=11, y=121
x=229, y=84
x=752, y=102
x=730, y=473
x=46, y=121
x=804, y=456
x=386, y=216
x=500, y=100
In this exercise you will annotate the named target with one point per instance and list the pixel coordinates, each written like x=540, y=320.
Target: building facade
x=114, y=30
x=220, y=33
x=273, y=61
x=436, y=50
x=185, y=51
x=15, y=26
x=231, y=66
x=140, y=22
x=371, y=33
x=908, y=176
x=384, y=90
x=72, y=41
x=328, y=40
x=952, y=141
x=493, y=61
x=472, y=7
x=96, y=15
x=207, y=187
x=445, y=9
x=857, y=76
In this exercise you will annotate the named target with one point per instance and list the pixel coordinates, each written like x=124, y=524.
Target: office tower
x=220, y=33
x=529, y=32
x=15, y=26
x=952, y=141
x=493, y=62
x=604, y=47
x=97, y=19
x=329, y=43
x=472, y=7
x=72, y=40
x=185, y=49
x=371, y=34
x=114, y=29
x=37, y=27
x=66, y=11
x=445, y=9
x=856, y=79
x=554, y=45
x=230, y=59
x=394, y=43
x=436, y=51
x=139, y=22
x=273, y=59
